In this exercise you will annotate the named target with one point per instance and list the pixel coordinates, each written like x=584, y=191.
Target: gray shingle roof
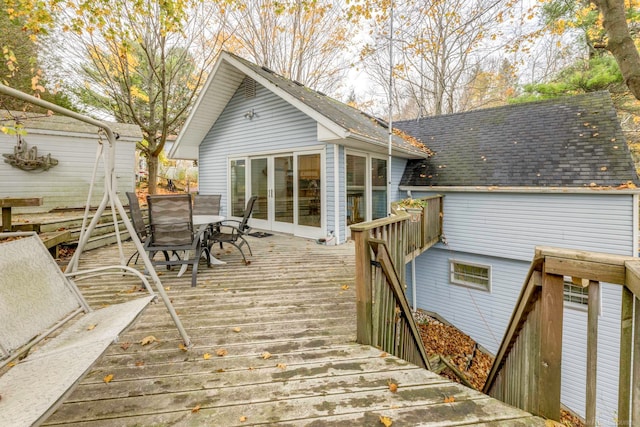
x=571, y=141
x=355, y=121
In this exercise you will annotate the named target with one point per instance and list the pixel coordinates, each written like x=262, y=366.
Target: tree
x=141, y=62
x=439, y=44
x=304, y=40
x=20, y=67
x=619, y=42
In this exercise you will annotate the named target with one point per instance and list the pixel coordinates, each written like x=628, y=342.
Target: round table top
x=207, y=219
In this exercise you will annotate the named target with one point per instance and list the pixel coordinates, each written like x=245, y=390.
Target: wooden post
x=592, y=351
x=550, y=345
x=635, y=385
x=624, y=379
x=363, y=286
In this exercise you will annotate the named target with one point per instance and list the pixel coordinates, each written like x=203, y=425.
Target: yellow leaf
x=393, y=387
x=11, y=364
x=108, y=378
x=281, y=366
x=345, y=287
x=449, y=399
x=195, y=409
x=183, y=347
x=221, y=352
x=206, y=356
x=91, y=327
x=266, y=355
x=243, y=419
x=148, y=340
x=236, y=329
x=167, y=288
x=386, y=421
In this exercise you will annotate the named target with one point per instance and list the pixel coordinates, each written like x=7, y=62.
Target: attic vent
x=249, y=88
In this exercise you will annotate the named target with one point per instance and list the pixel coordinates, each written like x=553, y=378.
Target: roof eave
x=497, y=189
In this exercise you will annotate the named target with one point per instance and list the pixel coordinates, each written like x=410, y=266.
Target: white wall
x=65, y=185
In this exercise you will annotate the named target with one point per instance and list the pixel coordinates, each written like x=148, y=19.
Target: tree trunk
x=152, y=162
x=620, y=42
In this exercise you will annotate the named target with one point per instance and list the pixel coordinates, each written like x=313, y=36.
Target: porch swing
x=106, y=152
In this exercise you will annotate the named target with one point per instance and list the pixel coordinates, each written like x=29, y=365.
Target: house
x=316, y=165
x=55, y=159
x=555, y=173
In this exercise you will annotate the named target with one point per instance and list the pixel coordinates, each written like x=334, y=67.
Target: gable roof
x=571, y=141
x=336, y=121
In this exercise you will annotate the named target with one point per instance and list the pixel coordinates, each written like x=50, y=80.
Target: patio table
x=200, y=220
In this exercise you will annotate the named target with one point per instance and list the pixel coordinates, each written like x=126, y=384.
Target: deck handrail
x=404, y=240
x=527, y=370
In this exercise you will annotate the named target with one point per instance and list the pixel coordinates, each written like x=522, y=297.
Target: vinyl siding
x=276, y=126
x=67, y=184
x=502, y=230
x=397, y=169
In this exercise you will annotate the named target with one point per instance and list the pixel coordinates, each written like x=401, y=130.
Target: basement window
x=469, y=274
x=576, y=296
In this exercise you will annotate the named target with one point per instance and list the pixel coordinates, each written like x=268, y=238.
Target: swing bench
x=36, y=300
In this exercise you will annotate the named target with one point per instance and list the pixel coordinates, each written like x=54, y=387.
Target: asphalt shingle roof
x=571, y=141
x=349, y=118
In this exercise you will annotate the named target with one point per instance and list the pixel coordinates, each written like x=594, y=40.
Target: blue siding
x=501, y=230
x=276, y=126
x=397, y=169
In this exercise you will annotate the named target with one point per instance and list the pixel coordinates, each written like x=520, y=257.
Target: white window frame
x=458, y=282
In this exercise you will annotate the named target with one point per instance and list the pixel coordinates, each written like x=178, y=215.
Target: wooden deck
x=296, y=302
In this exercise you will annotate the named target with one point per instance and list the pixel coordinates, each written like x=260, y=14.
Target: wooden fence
x=527, y=369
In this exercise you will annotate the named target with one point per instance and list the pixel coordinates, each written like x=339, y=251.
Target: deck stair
x=52, y=222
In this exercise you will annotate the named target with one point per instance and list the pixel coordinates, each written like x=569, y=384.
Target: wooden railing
x=527, y=369
x=383, y=247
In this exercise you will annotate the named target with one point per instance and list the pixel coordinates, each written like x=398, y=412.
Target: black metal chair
x=171, y=229
x=234, y=234
x=206, y=204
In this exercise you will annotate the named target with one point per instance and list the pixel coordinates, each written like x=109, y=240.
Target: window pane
x=356, y=199
x=259, y=183
x=283, y=181
x=473, y=275
x=378, y=188
x=237, y=187
x=309, y=190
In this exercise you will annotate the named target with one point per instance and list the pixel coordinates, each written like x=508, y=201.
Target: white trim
x=280, y=151
x=336, y=191
x=636, y=224
x=492, y=189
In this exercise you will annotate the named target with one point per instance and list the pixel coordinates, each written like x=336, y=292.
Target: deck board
x=296, y=301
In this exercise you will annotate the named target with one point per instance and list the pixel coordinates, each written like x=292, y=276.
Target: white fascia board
x=322, y=120
x=174, y=153
x=496, y=189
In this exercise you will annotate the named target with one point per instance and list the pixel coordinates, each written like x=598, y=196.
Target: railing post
x=363, y=286
x=550, y=345
x=624, y=381
x=592, y=351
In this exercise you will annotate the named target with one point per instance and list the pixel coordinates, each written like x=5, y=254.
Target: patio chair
x=206, y=204
x=234, y=234
x=171, y=229
x=142, y=230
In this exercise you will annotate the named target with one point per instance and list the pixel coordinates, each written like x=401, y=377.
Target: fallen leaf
x=221, y=352
x=393, y=387
x=386, y=421
x=148, y=340
x=266, y=355
x=183, y=347
x=383, y=354
x=108, y=378
x=449, y=399
x=91, y=327
x=251, y=368
x=206, y=356
x=195, y=409
x=125, y=345
x=281, y=366
x=140, y=363
x=11, y=364
x=243, y=419
x=220, y=370
x=236, y=329
x=167, y=288
x=226, y=289
x=345, y=287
